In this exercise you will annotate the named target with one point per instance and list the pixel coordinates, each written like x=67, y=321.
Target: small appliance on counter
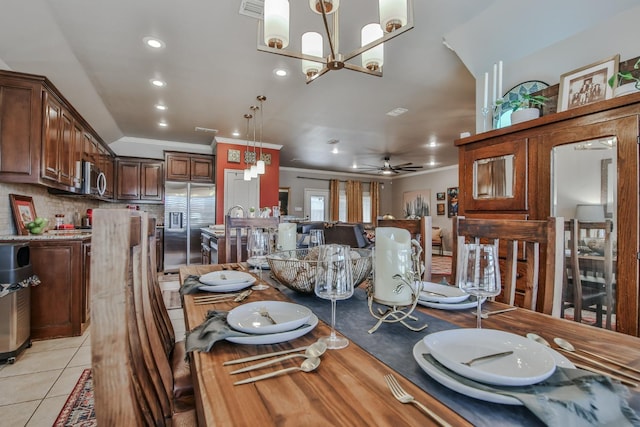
x=16, y=277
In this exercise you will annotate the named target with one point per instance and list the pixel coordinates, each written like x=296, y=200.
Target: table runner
x=392, y=344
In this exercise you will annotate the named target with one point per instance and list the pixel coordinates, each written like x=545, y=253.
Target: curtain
x=374, y=193
x=334, y=200
x=354, y=201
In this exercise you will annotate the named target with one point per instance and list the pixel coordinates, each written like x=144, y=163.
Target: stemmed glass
x=334, y=281
x=316, y=238
x=258, y=248
x=479, y=273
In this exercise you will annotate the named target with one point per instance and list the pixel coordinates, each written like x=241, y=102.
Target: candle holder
x=398, y=312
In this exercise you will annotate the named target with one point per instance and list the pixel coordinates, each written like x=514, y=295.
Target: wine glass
x=479, y=273
x=316, y=238
x=258, y=248
x=334, y=281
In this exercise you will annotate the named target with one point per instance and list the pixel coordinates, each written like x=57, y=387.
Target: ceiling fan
x=387, y=168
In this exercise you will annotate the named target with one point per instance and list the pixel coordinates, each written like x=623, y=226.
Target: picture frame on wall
x=440, y=196
x=23, y=212
x=587, y=84
x=452, y=201
x=440, y=208
x=233, y=156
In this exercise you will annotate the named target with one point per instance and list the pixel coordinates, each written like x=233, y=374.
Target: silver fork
x=404, y=397
x=265, y=313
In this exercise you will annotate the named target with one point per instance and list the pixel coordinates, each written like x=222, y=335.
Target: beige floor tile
x=55, y=344
x=47, y=412
x=177, y=313
x=18, y=414
x=24, y=388
x=30, y=362
x=68, y=379
x=82, y=357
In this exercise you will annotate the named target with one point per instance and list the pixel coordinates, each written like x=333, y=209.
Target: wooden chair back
x=541, y=287
x=235, y=228
x=420, y=229
x=589, y=278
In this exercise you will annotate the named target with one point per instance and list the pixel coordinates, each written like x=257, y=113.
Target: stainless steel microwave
x=93, y=180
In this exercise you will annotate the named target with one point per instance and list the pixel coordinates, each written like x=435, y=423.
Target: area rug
x=78, y=410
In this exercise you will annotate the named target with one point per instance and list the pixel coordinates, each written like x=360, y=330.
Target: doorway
x=316, y=204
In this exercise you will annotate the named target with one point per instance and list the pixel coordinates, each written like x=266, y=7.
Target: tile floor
x=36, y=387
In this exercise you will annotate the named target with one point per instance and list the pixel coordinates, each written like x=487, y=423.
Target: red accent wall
x=269, y=182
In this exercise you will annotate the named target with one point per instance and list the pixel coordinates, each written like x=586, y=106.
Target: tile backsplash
x=48, y=205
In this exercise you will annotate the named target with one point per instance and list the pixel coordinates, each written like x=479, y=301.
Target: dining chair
x=420, y=229
x=589, y=274
x=129, y=378
x=523, y=245
x=236, y=227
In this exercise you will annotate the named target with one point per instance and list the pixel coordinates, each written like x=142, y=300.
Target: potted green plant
x=633, y=84
x=523, y=106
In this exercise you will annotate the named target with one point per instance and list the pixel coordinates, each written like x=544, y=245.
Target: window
x=366, y=206
x=342, y=208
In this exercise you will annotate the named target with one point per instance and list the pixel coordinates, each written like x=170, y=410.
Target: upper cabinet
x=42, y=137
x=189, y=167
x=140, y=180
x=553, y=165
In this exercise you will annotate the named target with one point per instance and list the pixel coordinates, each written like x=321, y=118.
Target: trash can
x=16, y=277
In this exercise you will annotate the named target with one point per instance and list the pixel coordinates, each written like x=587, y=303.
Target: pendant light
x=373, y=58
x=276, y=23
x=254, y=167
x=247, y=171
x=260, y=163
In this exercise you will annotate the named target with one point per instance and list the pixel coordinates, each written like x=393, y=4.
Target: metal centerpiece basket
x=296, y=269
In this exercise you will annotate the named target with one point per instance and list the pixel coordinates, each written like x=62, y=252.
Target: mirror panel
x=493, y=177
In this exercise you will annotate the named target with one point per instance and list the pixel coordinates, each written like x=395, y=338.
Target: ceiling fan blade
x=402, y=165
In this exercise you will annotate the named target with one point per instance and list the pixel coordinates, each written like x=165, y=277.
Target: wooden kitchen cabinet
x=59, y=304
x=41, y=135
x=189, y=167
x=140, y=180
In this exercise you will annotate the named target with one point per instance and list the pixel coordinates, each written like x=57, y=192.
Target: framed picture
x=23, y=212
x=415, y=204
x=587, y=85
x=452, y=201
x=440, y=208
x=233, y=156
x=440, y=196
x=266, y=158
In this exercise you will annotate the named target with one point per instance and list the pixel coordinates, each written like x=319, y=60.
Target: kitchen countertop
x=51, y=235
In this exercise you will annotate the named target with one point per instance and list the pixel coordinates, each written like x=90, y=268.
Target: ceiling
x=94, y=53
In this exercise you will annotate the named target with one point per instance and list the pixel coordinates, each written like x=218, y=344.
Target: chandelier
x=396, y=17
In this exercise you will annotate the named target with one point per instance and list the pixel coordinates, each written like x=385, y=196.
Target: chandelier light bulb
x=276, y=23
x=330, y=6
x=253, y=172
x=312, y=45
x=393, y=14
x=260, y=167
x=373, y=58
x=247, y=174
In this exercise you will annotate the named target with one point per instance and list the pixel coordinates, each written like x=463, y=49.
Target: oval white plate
x=450, y=294
x=530, y=362
x=463, y=305
x=226, y=277
x=451, y=383
x=279, y=337
x=227, y=288
x=288, y=316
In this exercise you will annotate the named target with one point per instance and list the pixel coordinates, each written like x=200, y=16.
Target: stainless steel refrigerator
x=188, y=207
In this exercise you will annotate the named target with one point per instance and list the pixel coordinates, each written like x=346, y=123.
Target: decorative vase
x=625, y=89
x=524, y=114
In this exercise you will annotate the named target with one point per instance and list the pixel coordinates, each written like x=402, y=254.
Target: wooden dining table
x=348, y=388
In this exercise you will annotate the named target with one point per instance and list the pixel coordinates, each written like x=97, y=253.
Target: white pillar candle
x=495, y=81
x=286, y=236
x=486, y=90
x=392, y=256
x=500, y=79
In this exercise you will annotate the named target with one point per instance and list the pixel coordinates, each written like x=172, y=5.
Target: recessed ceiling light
x=280, y=72
x=335, y=150
x=432, y=144
x=161, y=107
x=432, y=163
x=158, y=83
x=236, y=133
x=163, y=124
x=153, y=42
x=354, y=166
x=397, y=111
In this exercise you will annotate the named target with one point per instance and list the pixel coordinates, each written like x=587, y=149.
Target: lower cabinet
x=60, y=304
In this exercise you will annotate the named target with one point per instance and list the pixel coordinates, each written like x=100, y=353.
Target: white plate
x=227, y=288
x=451, y=383
x=468, y=303
x=225, y=277
x=276, y=338
x=256, y=263
x=288, y=316
x=530, y=362
x=450, y=294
